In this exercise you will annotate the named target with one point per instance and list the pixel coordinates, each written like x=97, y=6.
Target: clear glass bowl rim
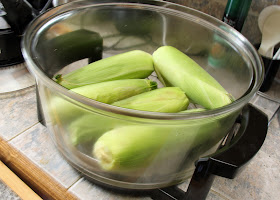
x=43, y=18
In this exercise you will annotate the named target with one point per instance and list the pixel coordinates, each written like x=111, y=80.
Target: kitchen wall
x=216, y=8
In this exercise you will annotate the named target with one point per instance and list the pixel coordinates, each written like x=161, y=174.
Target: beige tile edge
x=216, y=192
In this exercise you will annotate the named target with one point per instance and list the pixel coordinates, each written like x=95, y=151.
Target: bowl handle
x=232, y=157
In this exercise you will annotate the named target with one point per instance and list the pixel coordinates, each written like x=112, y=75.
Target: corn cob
x=138, y=147
x=130, y=65
x=129, y=147
x=167, y=99
x=88, y=128
x=174, y=68
x=111, y=91
x=193, y=110
x=106, y=92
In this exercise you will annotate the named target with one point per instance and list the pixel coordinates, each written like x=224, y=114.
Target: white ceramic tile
x=259, y=180
x=266, y=105
x=37, y=145
x=7, y=193
x=18, y=113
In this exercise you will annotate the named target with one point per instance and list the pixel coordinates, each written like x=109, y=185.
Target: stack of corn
x=121, y=81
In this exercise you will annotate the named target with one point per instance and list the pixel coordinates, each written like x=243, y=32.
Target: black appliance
x=15, y=15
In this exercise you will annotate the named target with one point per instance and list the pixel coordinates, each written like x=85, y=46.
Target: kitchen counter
x=7, y=193
x=20, y=128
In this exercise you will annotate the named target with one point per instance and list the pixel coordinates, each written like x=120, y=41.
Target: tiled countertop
x=6, y=193
x=20, y=128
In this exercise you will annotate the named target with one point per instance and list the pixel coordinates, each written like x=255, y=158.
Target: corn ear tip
x=153, y=85
x=58, y=78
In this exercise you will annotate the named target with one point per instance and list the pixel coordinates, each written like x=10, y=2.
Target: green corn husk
x=167, y=99
x=88, y=128
x=85, y=129
x=112, y=91
x=137, y=147
x=193, y=110
x=106, y=92
x=129, y=147
x=174, y=68
x=130, y=65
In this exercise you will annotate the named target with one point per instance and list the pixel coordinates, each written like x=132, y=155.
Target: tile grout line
x=219, y=194
x=274, y=114
x=74, y=183
x=266, y=96
x=9, y=140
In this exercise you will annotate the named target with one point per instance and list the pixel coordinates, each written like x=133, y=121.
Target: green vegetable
x=167, y=99
x=174, y=68
x=130, y=65
x=111, y=91
x=89, y=127
x=106, y=92
x=138, y=147
x=193, y=110
x=129, y=147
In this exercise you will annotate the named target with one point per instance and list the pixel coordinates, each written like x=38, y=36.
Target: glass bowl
x=72, y=35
